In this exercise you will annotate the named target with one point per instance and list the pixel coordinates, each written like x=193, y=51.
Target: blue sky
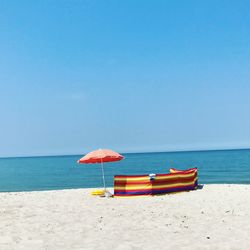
x=128, y=75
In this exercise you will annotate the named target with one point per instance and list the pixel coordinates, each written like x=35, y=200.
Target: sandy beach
x=214, y=217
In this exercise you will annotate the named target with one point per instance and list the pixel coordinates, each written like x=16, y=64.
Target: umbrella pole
x=103, y=178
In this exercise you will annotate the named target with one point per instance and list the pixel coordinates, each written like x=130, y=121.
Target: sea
x=63, y=172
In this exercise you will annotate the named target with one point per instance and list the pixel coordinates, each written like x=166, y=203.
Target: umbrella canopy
x=101, y=155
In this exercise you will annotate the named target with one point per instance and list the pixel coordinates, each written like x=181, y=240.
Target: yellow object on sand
x=98, y=192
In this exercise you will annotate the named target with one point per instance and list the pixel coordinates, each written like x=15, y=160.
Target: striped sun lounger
x=139, y=185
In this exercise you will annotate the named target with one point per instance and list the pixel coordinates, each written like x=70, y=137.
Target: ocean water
x=62, y=172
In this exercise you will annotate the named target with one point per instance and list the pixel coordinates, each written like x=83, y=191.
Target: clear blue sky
x=130, y=75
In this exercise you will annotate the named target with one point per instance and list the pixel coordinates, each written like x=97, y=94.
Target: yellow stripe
x=146, y=178
x=174, y=176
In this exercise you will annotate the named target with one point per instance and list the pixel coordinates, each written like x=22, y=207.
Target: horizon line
x=146, y=152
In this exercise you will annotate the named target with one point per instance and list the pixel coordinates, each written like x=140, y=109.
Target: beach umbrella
x=101, y=156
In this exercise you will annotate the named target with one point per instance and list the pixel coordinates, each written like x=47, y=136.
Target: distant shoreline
x=146, y=152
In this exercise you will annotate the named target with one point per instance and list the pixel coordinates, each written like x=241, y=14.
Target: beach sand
x=215, y=217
